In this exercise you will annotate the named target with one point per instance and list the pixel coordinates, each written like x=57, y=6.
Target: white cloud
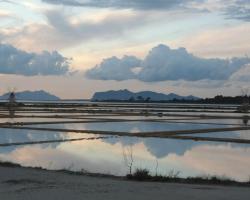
x=163, y=63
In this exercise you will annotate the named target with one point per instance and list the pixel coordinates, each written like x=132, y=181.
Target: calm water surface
x=190, y=158
x=107, y=155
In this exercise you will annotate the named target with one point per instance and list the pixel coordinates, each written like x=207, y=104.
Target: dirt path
x=25, y=183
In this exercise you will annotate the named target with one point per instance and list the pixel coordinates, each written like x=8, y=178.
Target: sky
x=73, y=48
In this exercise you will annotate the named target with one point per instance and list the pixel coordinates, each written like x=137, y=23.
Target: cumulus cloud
x=121, y=4
x=16, y=61
x=115, y=69
x=163, y=63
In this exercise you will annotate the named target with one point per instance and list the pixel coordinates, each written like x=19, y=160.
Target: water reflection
x=245, y=120
x=11, y=111
x=14, y=135
x=105, y=156
x=158, y=147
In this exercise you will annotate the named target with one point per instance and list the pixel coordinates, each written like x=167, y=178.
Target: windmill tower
x=12, y=96
x=12, y=102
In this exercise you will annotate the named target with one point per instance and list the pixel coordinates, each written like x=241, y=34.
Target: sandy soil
x=25, y=183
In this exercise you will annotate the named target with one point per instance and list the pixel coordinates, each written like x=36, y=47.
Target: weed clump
x=140, y=175
x=173, y=177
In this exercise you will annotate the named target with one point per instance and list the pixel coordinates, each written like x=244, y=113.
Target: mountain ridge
x=126, y=95
x=38, y=95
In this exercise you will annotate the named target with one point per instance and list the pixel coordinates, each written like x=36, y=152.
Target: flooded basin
x=78, y=150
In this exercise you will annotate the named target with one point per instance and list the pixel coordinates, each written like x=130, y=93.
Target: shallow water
x=107, y=155
x=190, y=157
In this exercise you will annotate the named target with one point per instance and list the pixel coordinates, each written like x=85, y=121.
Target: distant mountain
x=125, y=95
x=32, y=96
